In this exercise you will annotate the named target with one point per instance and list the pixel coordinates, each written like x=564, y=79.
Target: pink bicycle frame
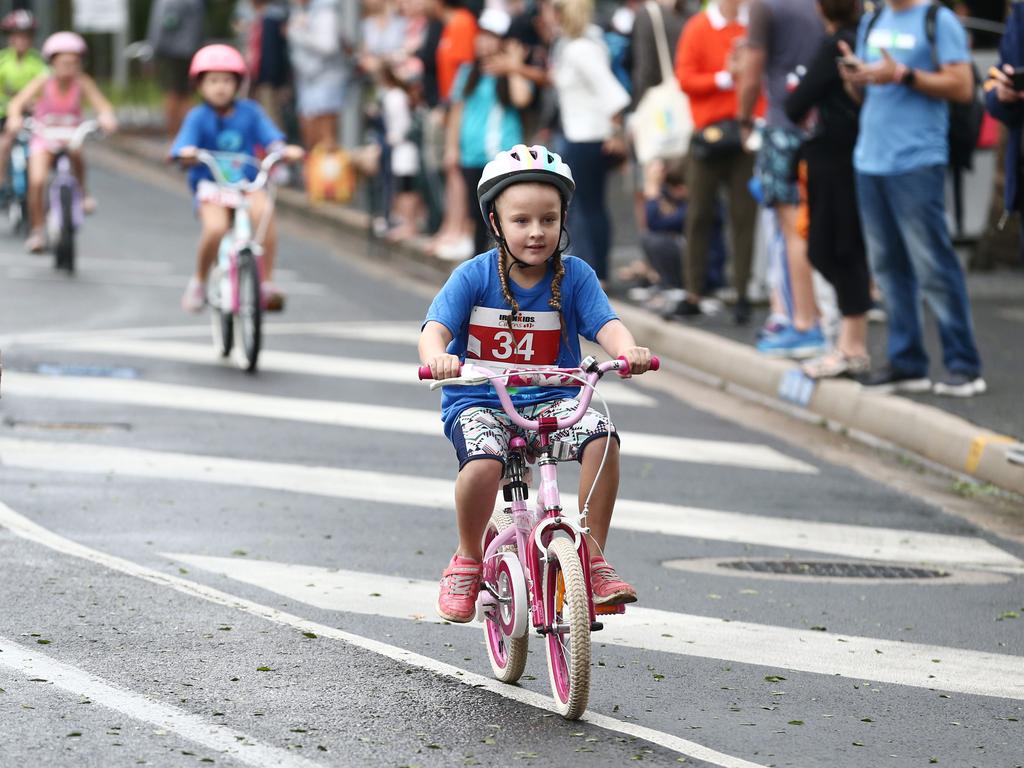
x=548, y=518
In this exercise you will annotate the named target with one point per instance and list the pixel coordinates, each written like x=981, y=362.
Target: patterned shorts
x=777, y=166
x=484, y=433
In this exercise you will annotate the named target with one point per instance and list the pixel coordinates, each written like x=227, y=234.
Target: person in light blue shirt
x=486, y=98
x=911, y=61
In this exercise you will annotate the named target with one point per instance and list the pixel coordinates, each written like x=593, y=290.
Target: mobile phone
x=847, y=63
x=1018, y=78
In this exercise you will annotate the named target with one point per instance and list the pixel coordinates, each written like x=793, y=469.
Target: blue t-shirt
x=472, y=307
x=901, y=129
x=243, y=130
x=488, y=126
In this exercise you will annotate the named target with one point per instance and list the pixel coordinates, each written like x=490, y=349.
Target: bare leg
x=215, y=220
x=602, y=502
x=475, y=491
x=6, y=141
x=260, y=205
x=853, y=335
x=39, y=164
x=78, y=168
x=805, y=312
x=325, y=130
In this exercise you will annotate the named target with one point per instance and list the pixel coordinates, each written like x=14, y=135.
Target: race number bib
x=531, y=343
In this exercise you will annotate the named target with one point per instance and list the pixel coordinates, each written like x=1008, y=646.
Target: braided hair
x=504, y=272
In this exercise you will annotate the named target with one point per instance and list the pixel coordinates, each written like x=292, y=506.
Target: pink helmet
x=64, y=42
x=217, y=58
x=19, y=20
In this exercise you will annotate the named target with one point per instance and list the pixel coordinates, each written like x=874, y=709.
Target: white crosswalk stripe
x=859, y=658
x=863, y=542
x=307, y=364
x=363, y=416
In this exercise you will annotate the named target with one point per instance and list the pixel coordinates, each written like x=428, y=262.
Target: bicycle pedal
x=609, y=610
x=596, y=626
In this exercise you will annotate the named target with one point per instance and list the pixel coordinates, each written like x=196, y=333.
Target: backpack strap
x=930, y=25
x=879, y=7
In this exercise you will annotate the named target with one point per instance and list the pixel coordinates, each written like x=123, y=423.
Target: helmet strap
x=499, y=236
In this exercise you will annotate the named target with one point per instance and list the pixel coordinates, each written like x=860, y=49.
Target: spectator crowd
x=790, y=150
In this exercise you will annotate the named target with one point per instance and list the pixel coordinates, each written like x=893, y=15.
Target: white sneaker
x=960, y=385
x=194, y=298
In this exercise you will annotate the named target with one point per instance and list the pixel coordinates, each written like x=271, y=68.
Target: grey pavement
x=928, y=675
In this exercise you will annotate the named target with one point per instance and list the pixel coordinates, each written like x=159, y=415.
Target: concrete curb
x=929, y=432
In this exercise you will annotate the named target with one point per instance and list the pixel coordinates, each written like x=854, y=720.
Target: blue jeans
x=589, y=224
x=904, y=222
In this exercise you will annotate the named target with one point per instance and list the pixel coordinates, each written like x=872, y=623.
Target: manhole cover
x=833, y=569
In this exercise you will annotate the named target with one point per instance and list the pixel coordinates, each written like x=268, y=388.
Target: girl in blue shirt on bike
x=225, y=123
x=522, y=304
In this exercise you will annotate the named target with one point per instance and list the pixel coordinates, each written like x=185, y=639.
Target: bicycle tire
x=248, y=327
x=64, y=253
x=567, y=607
x=507, y=654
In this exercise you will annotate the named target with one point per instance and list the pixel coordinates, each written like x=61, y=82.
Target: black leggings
x=481, y=233
x=835, y=244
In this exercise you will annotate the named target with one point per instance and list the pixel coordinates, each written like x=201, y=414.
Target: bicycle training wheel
x=568, y=641
x=507, y=654
x=248, y=329
x=64, y=253
x=221, y=322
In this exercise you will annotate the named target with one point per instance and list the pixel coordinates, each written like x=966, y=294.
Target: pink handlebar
x=518, y=381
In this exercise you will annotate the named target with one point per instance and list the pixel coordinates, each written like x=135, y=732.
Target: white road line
x=46, y=275
x=862, y=542
x=26, y=529
x=405, y=332
x=23, y=260
x=363, y=416
x=859, y=658
x=304, y=363
x=227, y=742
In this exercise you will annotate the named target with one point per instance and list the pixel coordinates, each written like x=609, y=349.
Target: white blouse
x=588, y=93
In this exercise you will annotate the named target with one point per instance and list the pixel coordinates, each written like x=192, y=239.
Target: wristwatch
x=909, y=77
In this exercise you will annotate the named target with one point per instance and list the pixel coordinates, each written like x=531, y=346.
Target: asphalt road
x=199, y=566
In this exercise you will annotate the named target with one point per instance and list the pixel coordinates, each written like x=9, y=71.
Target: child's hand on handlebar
x=107, y=121
x=293, y=153
x=14, y=124
x=639, y=359
x=444, y=366
x=187, y=155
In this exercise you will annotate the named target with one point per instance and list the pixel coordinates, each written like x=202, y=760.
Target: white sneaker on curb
x=960, y=385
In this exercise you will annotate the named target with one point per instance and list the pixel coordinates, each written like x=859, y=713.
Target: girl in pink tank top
x=56, y=99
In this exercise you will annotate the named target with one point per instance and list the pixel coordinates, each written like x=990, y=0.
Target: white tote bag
x=662, y=124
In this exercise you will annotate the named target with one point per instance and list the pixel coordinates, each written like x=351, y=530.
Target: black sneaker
x=741, y=312
x=684, y=309
x=960, y=385
x=888, y=379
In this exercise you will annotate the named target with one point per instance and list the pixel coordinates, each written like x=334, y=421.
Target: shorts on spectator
x=405, y=183
x=172, y=75
x=777, y=166
x=484, y=433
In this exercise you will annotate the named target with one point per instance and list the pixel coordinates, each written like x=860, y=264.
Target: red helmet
x=217, y=58
x=18, y=21
x=64, y=42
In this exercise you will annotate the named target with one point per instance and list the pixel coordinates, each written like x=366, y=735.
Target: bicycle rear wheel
x=64, y=253
x=506, y=654
x=568, y=641
x=248, y=325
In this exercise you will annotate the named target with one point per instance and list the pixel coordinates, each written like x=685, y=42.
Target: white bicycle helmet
x=521, y=164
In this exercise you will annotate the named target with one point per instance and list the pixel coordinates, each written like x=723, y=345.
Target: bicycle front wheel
x=568, y=639
x=250, y=313
x=64, y=253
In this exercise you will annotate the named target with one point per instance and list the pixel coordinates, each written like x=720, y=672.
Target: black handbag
x=717, y=140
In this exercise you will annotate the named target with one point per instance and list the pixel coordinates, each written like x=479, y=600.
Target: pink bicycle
x=536, y=563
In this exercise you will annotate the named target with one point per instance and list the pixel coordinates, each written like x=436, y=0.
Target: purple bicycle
x=536, y=562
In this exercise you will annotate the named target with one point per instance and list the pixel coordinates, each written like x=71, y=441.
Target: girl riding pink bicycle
x=523, y=305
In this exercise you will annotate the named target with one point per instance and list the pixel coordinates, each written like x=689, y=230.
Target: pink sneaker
x=460, y=585
x=608, y=588
x=194, y=297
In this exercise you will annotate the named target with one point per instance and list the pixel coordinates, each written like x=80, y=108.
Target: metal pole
x=119, y=43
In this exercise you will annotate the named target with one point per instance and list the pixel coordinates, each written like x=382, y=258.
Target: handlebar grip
x=424, y=373
x=655, y=365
